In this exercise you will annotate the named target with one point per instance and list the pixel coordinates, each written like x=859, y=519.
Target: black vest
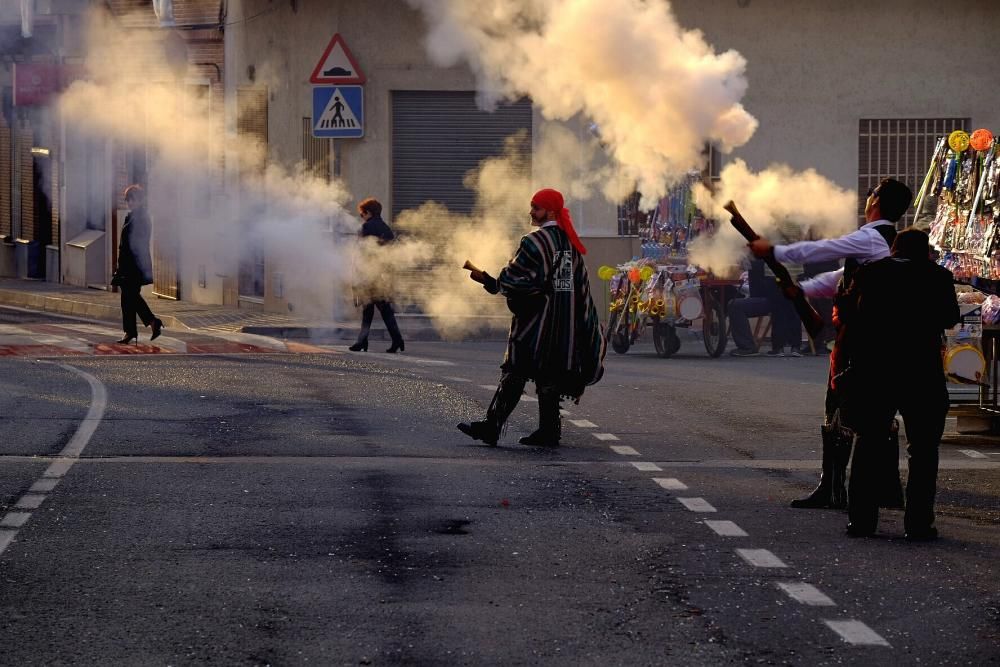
x=851, y=265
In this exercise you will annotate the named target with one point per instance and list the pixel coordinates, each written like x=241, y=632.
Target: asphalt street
x=316, y=506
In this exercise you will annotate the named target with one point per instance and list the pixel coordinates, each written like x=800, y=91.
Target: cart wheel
x=665, y=340
x=618, y=332
x=713, y=329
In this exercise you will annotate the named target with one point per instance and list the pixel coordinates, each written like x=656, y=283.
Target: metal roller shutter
x=438, y=137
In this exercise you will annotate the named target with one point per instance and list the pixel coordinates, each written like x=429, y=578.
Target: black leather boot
x=549, y=422
x=831, y=491
x=484, y=430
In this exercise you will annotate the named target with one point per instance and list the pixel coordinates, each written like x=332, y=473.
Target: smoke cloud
x=656, y=91
x=779, y=203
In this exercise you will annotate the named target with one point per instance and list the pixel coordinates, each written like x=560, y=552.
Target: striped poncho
x=555, y=336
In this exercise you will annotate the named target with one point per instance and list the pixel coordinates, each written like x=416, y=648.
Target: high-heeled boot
x=360, y=346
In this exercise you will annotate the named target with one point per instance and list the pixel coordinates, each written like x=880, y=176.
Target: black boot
x=549, y=422
x=485, y=430
x=504, y=401
x=831, y=491
x=891, y=488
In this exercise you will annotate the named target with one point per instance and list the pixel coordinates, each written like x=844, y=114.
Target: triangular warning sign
x=337, y=115
x=337, y=65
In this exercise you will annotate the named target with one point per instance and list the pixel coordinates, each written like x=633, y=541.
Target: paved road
x=318, y=506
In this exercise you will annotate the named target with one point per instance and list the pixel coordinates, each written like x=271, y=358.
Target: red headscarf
x=552, y=200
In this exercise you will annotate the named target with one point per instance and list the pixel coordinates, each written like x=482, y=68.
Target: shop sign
x=36, y=83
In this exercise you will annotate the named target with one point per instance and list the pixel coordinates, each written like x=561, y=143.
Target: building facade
x=856, y=90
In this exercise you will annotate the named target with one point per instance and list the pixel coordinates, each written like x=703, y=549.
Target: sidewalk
x=106, y=306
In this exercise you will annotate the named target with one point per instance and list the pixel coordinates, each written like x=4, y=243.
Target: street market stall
x=958, y=201
x=661, y=290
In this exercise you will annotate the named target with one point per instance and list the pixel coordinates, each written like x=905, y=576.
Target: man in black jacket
x=894, y=315
x=374, y=226
x=135, y=267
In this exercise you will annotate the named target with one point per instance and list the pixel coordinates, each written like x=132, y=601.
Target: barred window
x=899, y=148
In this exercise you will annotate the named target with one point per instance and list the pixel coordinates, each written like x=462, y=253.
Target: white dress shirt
x=865, y=244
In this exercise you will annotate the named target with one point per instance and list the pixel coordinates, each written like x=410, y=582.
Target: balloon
x=646, y=272
x=606, y=272
x=958, y=140
x=981, y=139
x=634, y=277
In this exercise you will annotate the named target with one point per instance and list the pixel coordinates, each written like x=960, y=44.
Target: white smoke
x=779, y=203
x=657, y=92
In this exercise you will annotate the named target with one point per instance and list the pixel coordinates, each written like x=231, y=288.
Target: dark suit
x=135, y=269
x=893, y=316
x=376, y=227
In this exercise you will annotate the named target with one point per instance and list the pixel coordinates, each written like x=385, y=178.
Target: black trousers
x=133, y=304
x=924, y=409
x=388, y=316
x=508, y=395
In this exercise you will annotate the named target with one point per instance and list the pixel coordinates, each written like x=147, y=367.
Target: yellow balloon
x=958, y=140
x=606, y=272
x=646, y=272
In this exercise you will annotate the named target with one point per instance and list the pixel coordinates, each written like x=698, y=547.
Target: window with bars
x=898, y=148
x=631, y=218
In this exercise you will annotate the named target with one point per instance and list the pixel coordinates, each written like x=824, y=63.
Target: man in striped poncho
x=555, y=337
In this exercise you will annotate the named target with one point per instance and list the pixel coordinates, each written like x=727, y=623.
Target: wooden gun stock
x=474, y=272
x=810, y=318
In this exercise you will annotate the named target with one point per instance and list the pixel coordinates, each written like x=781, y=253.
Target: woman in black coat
x=135, y=267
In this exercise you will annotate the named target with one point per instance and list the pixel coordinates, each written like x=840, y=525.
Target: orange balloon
x=981, y=139
x=633, y=275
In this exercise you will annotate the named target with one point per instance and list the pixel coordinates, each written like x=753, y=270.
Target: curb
x=83, y=309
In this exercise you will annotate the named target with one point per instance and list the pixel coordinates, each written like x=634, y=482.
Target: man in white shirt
x=886, y=204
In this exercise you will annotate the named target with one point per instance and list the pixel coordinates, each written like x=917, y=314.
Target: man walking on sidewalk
x=555, y=337
x=135, y=267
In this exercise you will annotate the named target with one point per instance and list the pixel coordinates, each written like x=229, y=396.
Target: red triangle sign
x=337, y=66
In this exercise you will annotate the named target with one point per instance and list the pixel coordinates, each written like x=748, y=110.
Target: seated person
x=765, y=299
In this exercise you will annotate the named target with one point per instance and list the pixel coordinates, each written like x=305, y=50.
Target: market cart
x=665, y=298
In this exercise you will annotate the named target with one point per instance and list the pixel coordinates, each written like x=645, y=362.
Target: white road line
x=565, y=413
x=726, y=528
x=972, y=454
x=583, y=423
x=455, y=379
x=15, y=519
x=760, y=558
x=67, y=457
x=624, y=450
x=30, y=501
x=58, y=468
x=697, y=504
x=491, y=387
x=605, y=436
x=646, y=466
x=671, y=483
x=856, y=632
x=805, y=593
x=6, y=537
x=98, y=403
x=44, y=485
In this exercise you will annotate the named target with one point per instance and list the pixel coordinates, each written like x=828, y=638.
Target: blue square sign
x=338, y=112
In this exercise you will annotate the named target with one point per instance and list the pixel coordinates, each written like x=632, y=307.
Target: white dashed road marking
x=856, y=632
x=760, y=558
x=605, y=436
x=67, y=457
x=624, y=450
x=726, y=528
x=805, y=593
x=670, y=483
x=972, y=454
x=491, y=387
x=455, y=379
x=646, y=466
x=697, y=504
x=583, y=423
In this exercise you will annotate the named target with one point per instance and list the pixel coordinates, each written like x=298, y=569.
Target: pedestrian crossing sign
x=338, y=112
